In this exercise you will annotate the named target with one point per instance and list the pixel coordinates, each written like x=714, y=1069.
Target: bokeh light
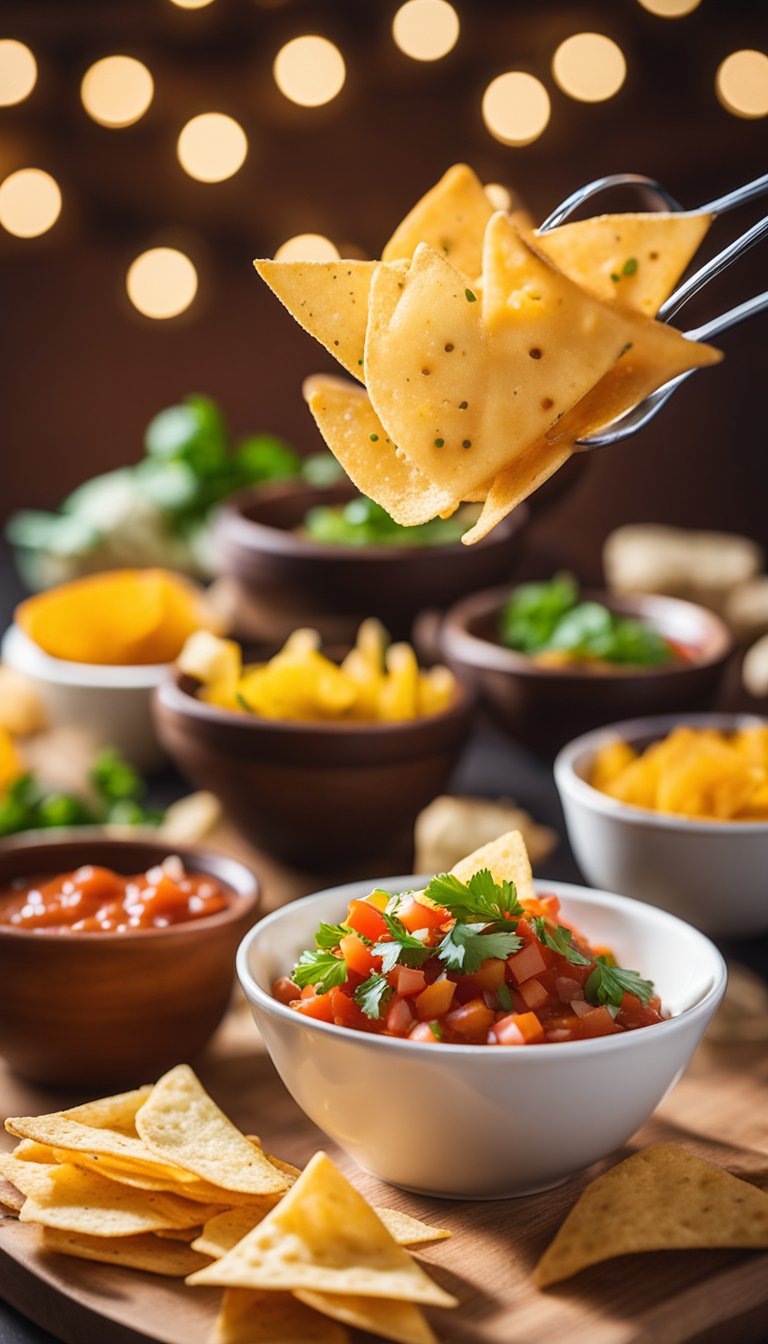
x=30, y=202
x=589, y=67
x=18, y=72
x=117, y=90
x=309, y=70
x=516, y=108
x=191, y=4
x=741, y=83
x=670, y=9
x=426, y=29
x=212, y=147
x=161, y=282
x=499, y=195
x=307, y=247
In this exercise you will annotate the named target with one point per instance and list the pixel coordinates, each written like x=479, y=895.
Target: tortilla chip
x=145, y=1176
x=248, y=1317
x=59, y=1132
x=348, y=422
x=10, y=1197
x=401, y=1321
x=118, y=1112
x=187, y=1234
x=28, y=1150
x=663, y=1198
x=506, y=858
x=181, y=1124
x=324, y=1236
x=515, y=483
x=329, y=299
x=451, y=218
x=594, y=251
x=224, y=1230
x=146, y=1252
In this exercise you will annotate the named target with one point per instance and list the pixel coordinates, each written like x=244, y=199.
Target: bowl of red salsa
x=116, y=956
x=465, y=1044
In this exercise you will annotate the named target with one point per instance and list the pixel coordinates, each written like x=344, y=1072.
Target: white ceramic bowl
x=484, y=1122
x=109, y=705
x=713, y=873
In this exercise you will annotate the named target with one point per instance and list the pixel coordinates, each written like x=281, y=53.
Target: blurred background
x=218, y=130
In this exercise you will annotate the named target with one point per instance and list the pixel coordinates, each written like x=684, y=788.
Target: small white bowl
x=485, y=1122
x=109, y=705
x=713, y=873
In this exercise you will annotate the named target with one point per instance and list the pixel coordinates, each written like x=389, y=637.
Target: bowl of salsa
x=115, y=955
x=461, y=1047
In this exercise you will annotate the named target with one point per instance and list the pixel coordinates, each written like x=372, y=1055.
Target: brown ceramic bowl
x=543, y=707
x=321, y=796
x=93, y=1010
x=287, y=580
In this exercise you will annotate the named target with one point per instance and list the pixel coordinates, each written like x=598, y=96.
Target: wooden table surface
x=719, y=1110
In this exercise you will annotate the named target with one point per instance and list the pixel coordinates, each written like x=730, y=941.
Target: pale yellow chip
x=61, y=1133
x=186, y=1234
x=28, y=1150
x=329, y=299
x=358, y=440
x=150, y=1253
x=181, y=1124
x=513, y=484
x=146, y=1177
x=451, y=218
x=79, y=1201
x=10, y=1196
x=646, y=253
x=118, y=1112
x=248, y=1317
x=507, y=860
x=226, y=1229
x=661, y=1199
x=324, y=1236
x=464, y=383
x=403, y=1322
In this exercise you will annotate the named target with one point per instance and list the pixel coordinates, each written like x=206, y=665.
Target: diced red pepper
x=598, y=1023
x=346, y=1012
x=357, y=955
x=491, y=974
x=414, y=915
x=408, y=980
x=364, y=918
x=471, y=1019
x=533, y=993
x=527, y=962
x=318, y=1006
x=435, y=1000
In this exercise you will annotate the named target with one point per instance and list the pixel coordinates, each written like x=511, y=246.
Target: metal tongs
x=632, y=420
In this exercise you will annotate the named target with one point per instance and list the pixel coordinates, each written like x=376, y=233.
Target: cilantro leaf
x=403, y=947
x=329, y=936
x=372, y=995
x=608, y=985
x=321, y=969
x=504, y=997
x=480, y=896
x=466, y=946
x=436, y=1030
x=560, y=941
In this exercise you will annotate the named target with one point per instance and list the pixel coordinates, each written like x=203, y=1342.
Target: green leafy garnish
x=630, y=266
x=113, y=778
x=470, y=296
x=361, y=522
x=504, y=997
x=608, y=985
x=549, y=617
x=116, y=793
x=372, y=995
x=329, y=936
x=466, y=946
x=403, y=948
x=321, y=969
x=560, y=941
x=480, y=897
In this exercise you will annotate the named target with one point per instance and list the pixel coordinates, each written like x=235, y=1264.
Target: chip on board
x=225, y=1229
x=324, y=1236
x=248, y=1317
x=150, y=1253
x=660, y=1199
x=403, y=1322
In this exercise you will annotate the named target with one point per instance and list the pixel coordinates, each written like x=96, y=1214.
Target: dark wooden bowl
x=291, y=580
x=322, y=796
x=111, y=1010
x=543, y=707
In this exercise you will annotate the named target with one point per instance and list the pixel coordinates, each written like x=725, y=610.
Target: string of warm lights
x=309, y=71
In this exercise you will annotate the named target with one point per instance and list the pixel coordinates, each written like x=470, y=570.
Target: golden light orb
x=670, y=9
x=30, y=202
x=212, y=147
x=117, y=90
x=307, y=247
x=309, y=70
x=741, y=83
x=589, y=67
x=516, y=108
x=161, y=282
x=18, y=72
x=426, y=30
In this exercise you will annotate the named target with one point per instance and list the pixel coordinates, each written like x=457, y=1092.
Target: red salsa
x=97, y=900
x=466, y=964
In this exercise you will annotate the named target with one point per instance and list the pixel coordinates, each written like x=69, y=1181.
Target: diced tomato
x=378, y=899
x=527, y=962
x=308, y=992
x=533, y=993
x=318, y=1006
x=399, y=1018
x=345, y=1012
x=284, y=990
x=415, y=915
x=408, y=980
x=598, y=1023
x=519, y=1029
x=635, y=1013
x=471, y=1019
x=364, y=918
x=423, y=1032
x=492, y=973
x=357, y=956
x=435, y=1000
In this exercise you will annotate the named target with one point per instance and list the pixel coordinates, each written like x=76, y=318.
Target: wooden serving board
x=719, y=1110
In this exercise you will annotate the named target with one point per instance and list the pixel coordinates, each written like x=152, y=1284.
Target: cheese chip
x=660, y=1199
x=451, y=218
x=403, y=1322
x=325, y=1237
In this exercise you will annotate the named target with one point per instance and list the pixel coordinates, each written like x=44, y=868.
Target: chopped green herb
x=321, y=969
x=436, y=1030
x=466, y=946
x=560, y=941
x=630, y=266
x=359, y=361
x=608, y=985
x=329, y=936
x=470, y=297
x=372, y=995
x=546, y=617
x=479, y=898
x=403, y=947
x=439, y=443
x=243, y=703
x=374, y=438
x=504, y=997
x=615, y=278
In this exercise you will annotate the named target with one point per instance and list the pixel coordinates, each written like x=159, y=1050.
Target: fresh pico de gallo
x=467, y=964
